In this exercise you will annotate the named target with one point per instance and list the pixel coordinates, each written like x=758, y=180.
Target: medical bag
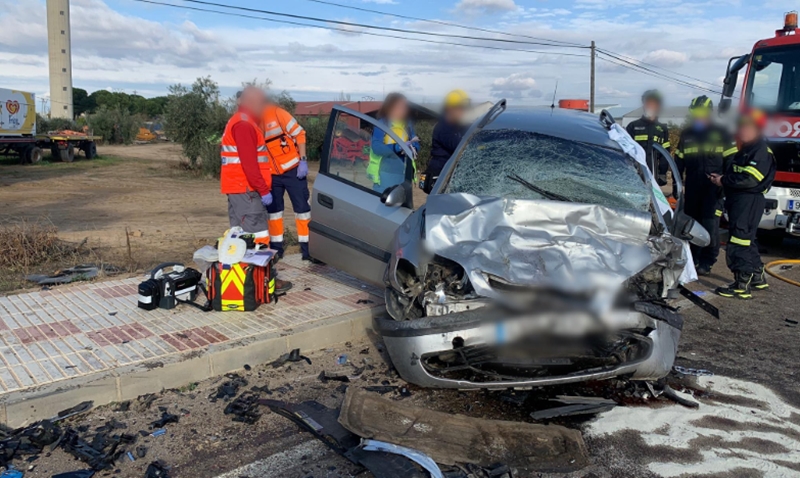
x=239, y=287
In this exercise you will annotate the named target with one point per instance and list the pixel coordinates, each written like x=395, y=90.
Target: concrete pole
x=59, y=47
x=592, y=79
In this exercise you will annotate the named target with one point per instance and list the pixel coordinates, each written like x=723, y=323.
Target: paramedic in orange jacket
x=246, y=173
x=285, y=142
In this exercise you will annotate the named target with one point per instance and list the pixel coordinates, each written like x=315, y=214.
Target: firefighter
x=285, y=141
x=700, y=153
x=246, y=173
x=748, y=176
x=648, y=131
x=447, y=135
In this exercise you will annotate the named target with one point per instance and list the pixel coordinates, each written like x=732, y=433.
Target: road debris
x=244, y=408
x=159, y=432
x=76, y=474
x=450, y=439
x=166, y=418
x=574, y=406
x=293, y=356
x=681, y=398
x=12, y=474
x=156, y=469
x=326, y=377
x=697, y=372
x=228, y=389
x=78, y=273
x=417, y=457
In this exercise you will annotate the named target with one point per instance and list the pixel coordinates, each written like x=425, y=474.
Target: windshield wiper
x=543, y=192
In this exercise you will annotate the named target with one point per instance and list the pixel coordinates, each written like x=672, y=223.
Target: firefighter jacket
x=700, y=153
x=751, y=170
x=647, y=133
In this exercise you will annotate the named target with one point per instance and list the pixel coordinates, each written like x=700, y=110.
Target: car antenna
x=553, y=105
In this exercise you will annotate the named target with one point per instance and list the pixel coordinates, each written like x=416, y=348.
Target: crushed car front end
x=517, y=276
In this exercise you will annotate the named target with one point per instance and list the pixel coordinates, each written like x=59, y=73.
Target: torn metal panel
x=450, y=439
x=566, y=246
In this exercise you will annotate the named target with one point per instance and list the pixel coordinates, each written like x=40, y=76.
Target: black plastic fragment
x=293, y=356
x=156, y=469
x=76, y=474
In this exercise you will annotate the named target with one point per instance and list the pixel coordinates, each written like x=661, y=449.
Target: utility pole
x=592, y=79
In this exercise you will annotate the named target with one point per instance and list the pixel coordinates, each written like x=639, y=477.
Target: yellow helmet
x=456, y=98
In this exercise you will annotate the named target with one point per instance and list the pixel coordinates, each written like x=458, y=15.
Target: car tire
x=68, y=154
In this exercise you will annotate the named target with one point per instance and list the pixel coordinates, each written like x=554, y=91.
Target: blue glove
x=302, y=169
x=266, y=200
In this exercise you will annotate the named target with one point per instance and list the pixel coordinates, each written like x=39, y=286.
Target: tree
x=81, y=102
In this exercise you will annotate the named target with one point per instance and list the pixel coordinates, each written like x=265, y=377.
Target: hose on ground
x=781, y=263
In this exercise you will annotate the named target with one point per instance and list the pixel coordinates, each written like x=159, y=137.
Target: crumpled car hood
x=569, y=247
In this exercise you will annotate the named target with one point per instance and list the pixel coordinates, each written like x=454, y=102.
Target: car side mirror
x=724, y=105
x=690, y=230
x=394, y=196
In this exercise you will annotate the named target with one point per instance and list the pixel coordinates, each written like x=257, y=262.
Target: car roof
x=562, y=123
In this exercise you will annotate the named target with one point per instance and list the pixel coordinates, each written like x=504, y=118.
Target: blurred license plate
x=794, y=205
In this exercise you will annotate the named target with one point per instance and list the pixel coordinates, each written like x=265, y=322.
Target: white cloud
x=486, y=6
x=516, y=85
x=666, y=58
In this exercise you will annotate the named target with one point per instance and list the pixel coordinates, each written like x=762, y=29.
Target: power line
x=640, y=62
x=441, y=22
x=632, y=66
x=374, y=27
x=345, y=30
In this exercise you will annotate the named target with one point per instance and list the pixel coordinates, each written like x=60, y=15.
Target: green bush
x=45, y=125
x=116, y=125
x=196, y=119
x=316, y=127
x=424, y=130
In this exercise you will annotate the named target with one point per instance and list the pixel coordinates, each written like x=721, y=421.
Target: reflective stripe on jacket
x=282, y=134
x=232, y=177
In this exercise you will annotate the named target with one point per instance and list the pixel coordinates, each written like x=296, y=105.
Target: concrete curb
x=125, y=383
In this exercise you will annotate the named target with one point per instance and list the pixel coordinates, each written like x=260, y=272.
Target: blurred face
x=253, y=99
x=454, y=114
x=399, y=111
x=748, y=132
x=651, y=108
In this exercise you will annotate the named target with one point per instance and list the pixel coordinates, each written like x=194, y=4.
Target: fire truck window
x=767, y=86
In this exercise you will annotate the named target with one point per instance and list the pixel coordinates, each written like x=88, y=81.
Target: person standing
x=748, y=176
x=285, y=142
x=386, y=166
x=246, y=173
x=648, y=131
x=701, y=151
x=447, y=135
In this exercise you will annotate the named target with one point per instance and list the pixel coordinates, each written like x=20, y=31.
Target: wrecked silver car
x=544, y=254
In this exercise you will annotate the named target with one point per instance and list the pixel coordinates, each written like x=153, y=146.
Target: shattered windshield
x=524, y=165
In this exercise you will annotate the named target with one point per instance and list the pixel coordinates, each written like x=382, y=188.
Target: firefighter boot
x=760, y=280
x=739, y=288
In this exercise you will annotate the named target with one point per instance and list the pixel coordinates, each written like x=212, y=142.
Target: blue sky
x=130, y=46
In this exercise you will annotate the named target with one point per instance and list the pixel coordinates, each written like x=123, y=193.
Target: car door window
x=363, y=154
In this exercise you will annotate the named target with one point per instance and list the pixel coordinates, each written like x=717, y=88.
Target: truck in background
x=772, y=84
x=18, y=132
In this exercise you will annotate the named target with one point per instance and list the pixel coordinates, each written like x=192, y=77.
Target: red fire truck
x=772, y=84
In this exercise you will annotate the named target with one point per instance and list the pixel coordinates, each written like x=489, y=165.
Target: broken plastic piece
x=325, y=377
x=141, y=451
x=158, y=433
x=130, y=456
x=417, y=457
x=77, y=409
x=244, y=408
x=293, y=356
x=156, y=470
x=166, y=418
x=75, y=474
x=12, y=474
x=575, y=406
x=229, y=388
x=680, y=398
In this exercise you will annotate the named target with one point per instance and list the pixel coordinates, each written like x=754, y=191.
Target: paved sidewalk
x=76, y=331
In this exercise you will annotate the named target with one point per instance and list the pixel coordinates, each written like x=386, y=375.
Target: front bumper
x=417, y=346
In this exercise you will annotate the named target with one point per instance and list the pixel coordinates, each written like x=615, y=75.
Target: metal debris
x=697, y=372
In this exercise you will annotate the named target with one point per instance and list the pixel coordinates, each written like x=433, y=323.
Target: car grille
x=795, y=193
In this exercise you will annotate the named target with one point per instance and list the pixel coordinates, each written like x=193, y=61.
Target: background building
x=58, y=43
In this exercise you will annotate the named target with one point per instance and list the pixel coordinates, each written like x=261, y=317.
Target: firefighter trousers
x=297, y=189
x=705, y=206
x=744, y=211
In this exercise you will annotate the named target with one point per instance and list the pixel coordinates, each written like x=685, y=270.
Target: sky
x=125, y=45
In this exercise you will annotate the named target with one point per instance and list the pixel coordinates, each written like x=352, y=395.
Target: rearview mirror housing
x=690, y=230
x=724, y=105
x=394, y=196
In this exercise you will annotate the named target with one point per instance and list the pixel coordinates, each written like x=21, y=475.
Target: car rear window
x=576, y=172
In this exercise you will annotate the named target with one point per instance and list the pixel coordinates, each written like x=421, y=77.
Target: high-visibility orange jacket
x=236, y=161
x=282, y=134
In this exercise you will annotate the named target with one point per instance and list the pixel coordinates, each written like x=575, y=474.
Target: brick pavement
x=82, y=329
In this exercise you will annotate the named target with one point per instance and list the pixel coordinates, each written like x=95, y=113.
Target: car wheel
x=68, y=154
